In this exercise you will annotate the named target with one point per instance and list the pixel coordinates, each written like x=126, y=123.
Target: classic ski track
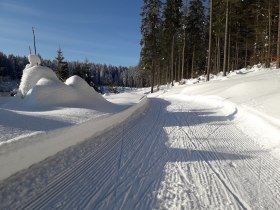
x=61, y=183
x=252, y=165
x=82, y=164
x=135, y=153
x=216, y=172
x=199, y=147
x=268, y=170
x=131, y=176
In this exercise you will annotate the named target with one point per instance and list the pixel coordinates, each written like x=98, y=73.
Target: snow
x=255, y=96
x=34, y=60
x=17, y=154
x=201, y=145
x=51, y=115
x=32, y=73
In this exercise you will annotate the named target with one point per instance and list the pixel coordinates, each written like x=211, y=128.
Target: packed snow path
x=175, y=155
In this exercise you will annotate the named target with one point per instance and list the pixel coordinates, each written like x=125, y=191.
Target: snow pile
x=40, y=87
x=75, y=92
x=33, y=73
x=81, y=89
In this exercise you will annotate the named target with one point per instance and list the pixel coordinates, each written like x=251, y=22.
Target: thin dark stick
x=34, y=40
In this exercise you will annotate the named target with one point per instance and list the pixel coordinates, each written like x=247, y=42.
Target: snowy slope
x=186, y=150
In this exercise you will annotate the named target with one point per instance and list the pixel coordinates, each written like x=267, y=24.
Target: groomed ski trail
x=176, y=155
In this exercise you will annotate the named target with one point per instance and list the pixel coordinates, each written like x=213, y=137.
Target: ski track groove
x=72, y=171
x=138, y=137
x=124, y=166
x=159, y=160
x=130, y=161
x=251, y=165
x=195, y=147
x=218, y=175
x=62, y=183
x=268, y=169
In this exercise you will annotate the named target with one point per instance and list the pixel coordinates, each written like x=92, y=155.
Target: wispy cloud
x=18, y=8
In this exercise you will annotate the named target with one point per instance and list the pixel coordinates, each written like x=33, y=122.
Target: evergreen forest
x=181, y=39
x=185, y=39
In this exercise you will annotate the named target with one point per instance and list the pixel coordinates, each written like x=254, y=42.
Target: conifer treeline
x=11, y=68
x=175, y=37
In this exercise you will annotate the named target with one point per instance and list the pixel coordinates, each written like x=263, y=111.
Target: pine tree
x=210, y=41
x=197, y=36
x=226, y=39
x=62, y=66
x=172, y=16
x=278, y=39
x=184, y=37
x=150, y=41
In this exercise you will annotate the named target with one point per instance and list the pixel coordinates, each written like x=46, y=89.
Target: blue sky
x=101, y=31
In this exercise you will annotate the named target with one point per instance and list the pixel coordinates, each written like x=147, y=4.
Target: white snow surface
x=253, y=95
x=202, y=145
x=42, y=121
x=34, y=60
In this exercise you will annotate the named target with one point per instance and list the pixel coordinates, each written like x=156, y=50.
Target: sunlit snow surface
x=45, y=104
x=50, y=104
x=194, y=146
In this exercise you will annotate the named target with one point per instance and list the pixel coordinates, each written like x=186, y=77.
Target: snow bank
x=263, y=129
x=40, y=87
x=20, y=154
x=75, y=92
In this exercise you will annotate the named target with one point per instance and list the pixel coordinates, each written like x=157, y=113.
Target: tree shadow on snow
x=132, y=165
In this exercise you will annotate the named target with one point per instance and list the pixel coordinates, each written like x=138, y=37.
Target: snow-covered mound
x=48, y=92
x=82, y=88
x=75, y=92
x=40, y=87
x=32, y=73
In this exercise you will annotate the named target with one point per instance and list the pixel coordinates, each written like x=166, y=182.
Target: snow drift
x=40, y=87
x=74, y=92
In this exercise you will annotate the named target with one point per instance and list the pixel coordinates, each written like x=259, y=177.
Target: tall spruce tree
x=226, y=39
x=62, y=66
x=172, y=19
x=209, y=41
x=197, y=36
x=150, y=29
x=278, y=39
x=184, y=36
